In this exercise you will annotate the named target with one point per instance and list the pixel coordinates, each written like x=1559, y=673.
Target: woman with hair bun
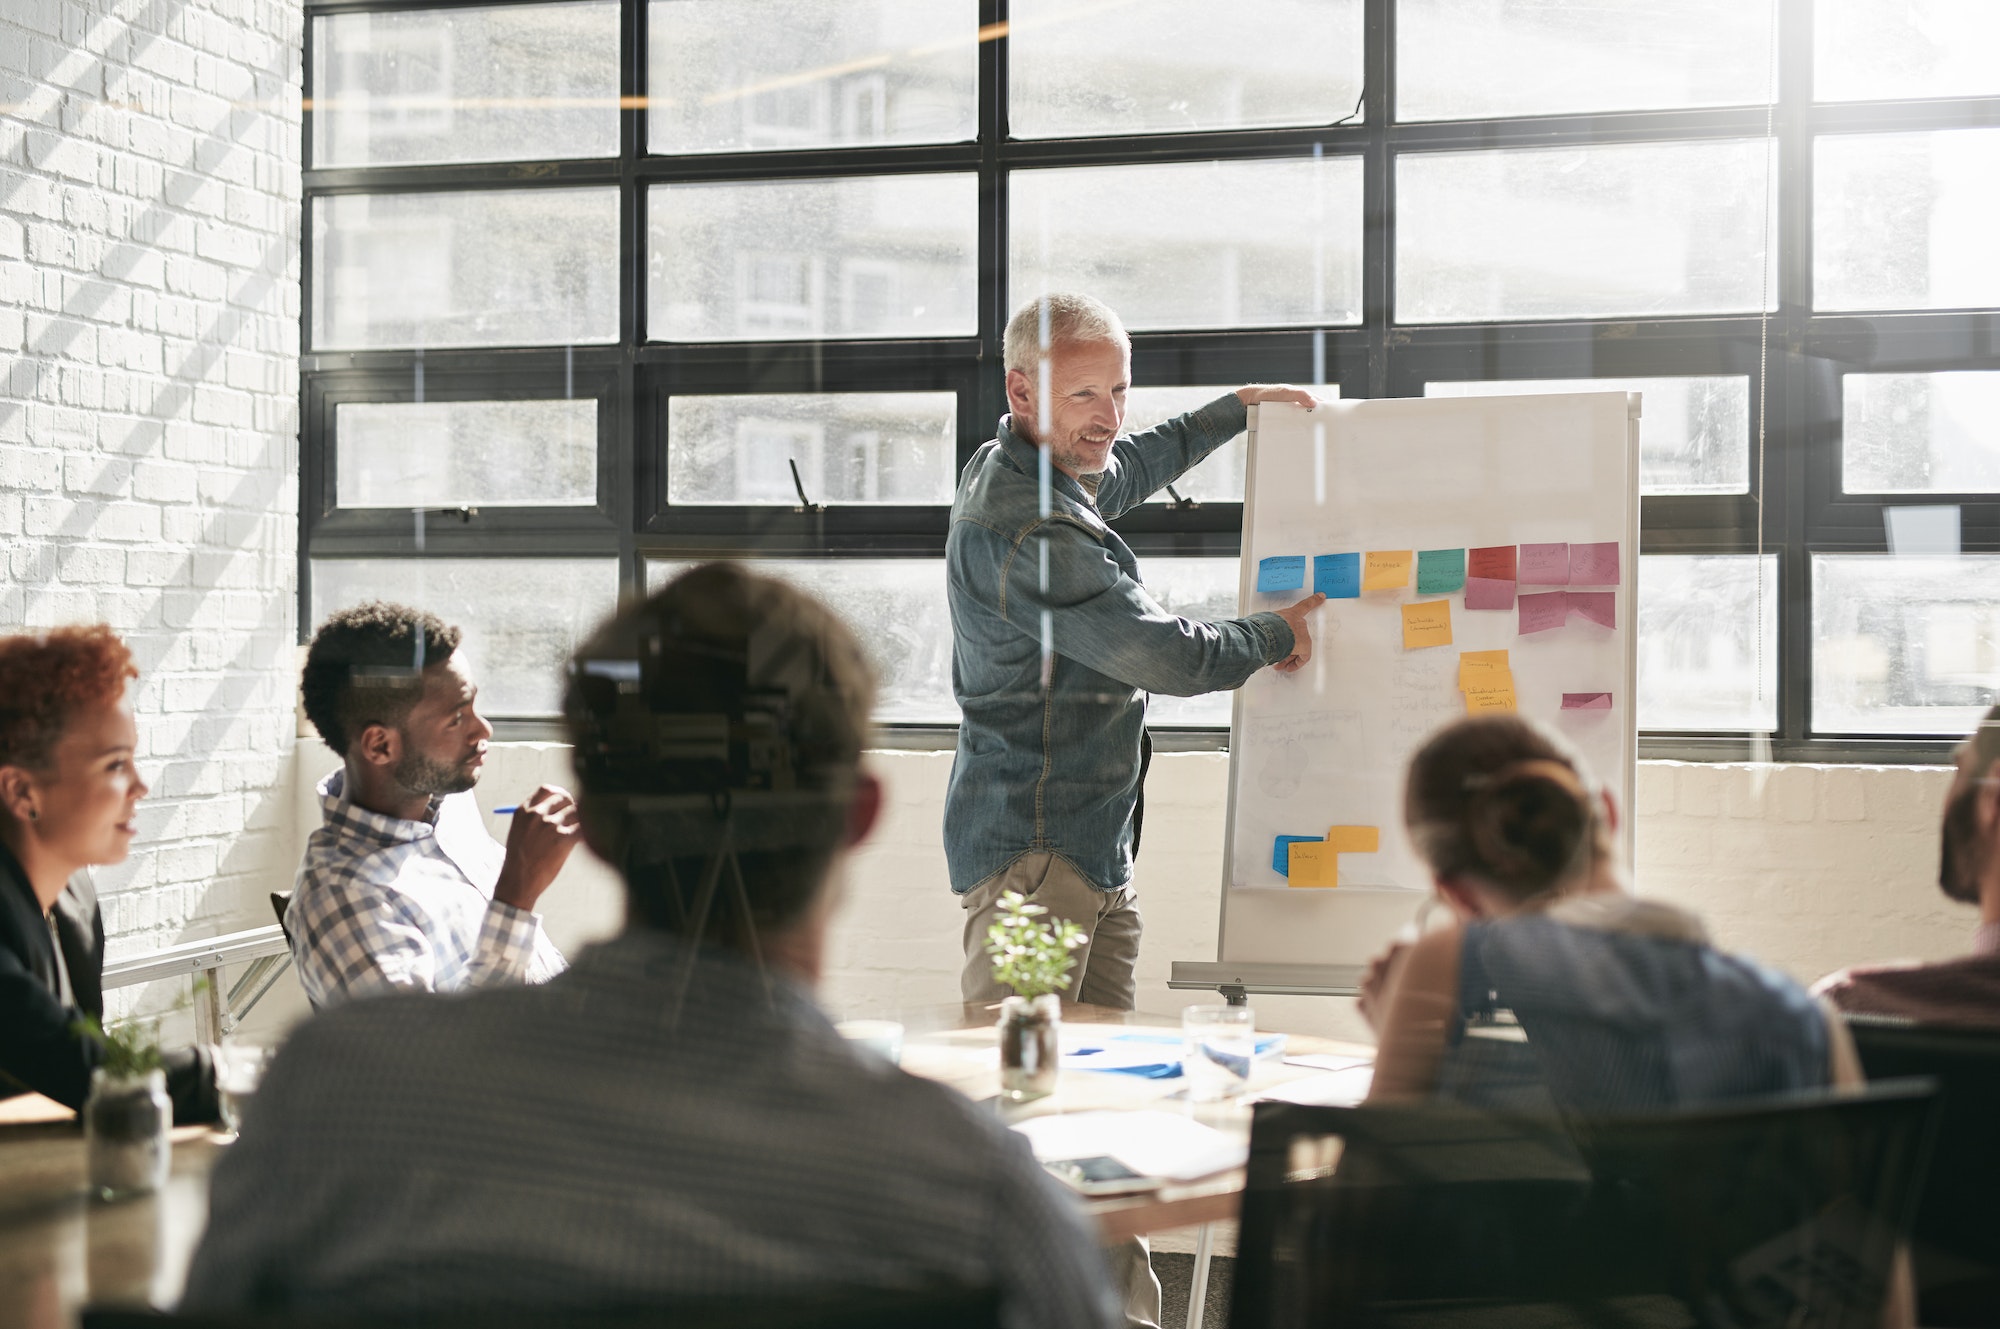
x=69, y=790
x=1553, y=986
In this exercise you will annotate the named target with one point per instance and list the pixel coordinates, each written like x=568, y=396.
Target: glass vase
x=1030, y=1054
x=126, y=1121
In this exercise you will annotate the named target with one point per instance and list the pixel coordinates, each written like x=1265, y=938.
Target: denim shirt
x=1048, y=750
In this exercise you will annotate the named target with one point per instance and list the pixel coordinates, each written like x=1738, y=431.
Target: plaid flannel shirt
x=382, y=904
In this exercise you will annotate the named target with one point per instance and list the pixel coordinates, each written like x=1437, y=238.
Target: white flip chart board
x=1328, y=746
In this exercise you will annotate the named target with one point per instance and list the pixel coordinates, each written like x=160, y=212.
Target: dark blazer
x=39, y=1048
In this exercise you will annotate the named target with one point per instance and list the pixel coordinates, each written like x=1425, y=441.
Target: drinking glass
x=1218, y=1043
x=238, y=1069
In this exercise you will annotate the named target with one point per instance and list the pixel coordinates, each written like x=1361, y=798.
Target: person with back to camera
x=1624, y=1003
x=69, y=795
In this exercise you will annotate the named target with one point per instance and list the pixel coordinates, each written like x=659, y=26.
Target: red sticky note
x=1545, y=565
x=1494, y=564
x=1600, y=607
x=1586, y=701
x=1488, y=593
x=1541, y=612
x=1594, y=565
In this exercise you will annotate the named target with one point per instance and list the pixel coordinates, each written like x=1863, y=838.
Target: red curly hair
x=46, y=678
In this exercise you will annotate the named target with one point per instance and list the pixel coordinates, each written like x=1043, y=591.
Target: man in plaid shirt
x=402, y=888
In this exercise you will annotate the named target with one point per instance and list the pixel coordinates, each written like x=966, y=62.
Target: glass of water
x=238, y=1069
x=1218, y=1044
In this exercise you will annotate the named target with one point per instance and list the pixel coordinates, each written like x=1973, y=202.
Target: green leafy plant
x=130, y=1050
x=1030, y=957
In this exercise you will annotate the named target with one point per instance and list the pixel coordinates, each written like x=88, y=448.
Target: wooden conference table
x=59, y=1251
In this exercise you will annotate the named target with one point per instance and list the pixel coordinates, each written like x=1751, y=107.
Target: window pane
x=1694, y=433
x=1461, y=59
x=1194, y=244
x=514, y=83
x=1593, y=232
x=1084, y=67
x=492, y=454
x=1920, y=433
x=521, y=617
x=1905, y=221
x=518, y=267
x=851, y=447
x=897, y=608
x=1198, y=588
x=1700, y=653
x=729, y=76
x=1904, y=645
x=1868, y=49
x=866, y=256
x=1218, y=478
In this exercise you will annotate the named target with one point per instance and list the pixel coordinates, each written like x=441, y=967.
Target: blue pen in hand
x=505, y=812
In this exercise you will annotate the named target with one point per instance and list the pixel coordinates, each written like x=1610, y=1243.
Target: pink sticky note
x=1541, y=612
x=1586, y=701
x=1594, y=565
x=1600, y=607
x=1488, y=593
x=1545, y=565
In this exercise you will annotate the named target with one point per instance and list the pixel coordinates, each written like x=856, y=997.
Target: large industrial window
x=597, y=288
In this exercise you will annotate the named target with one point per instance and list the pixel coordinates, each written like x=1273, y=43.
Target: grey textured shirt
x=602, y=1140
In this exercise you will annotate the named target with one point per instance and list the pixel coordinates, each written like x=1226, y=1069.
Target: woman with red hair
x=69, y=791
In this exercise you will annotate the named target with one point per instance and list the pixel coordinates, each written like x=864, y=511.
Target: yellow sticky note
x=1314, y=863
x=1353, y=839
x=1426, y=623
x=1490, y=697
x=1478, y=667
x=1386, y=569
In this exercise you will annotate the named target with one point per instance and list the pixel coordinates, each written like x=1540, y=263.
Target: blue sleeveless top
x=1621, y=1005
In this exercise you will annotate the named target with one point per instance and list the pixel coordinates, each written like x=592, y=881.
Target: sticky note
x=1544, y=565
x=1476, y=665
x=1284, y=573
x=1426, y=623
x=1281, y=852
x=1600, y=607
x=1314, y=863
x=1494, y=564
x=1489, y=593
x=1353, y=839
x=1337, y=576
x=1440, y=571
x=1386, y=569
x=1586, y=701
x=1541, y=612
x=1482, y=701
x=1594, y=565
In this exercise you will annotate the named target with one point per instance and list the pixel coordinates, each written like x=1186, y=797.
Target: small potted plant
x=127, y=1118
x=1033, y=959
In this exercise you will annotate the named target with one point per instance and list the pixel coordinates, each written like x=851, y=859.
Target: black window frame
x=1801, y=355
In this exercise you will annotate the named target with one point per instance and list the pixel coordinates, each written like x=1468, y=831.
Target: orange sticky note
x=1353, y=839
x=1314, y=863
x=1476, y=667
x=1426, y=623
x=1490, y=696
x=1386, y=569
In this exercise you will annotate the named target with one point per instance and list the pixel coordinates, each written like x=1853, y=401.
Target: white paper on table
x=1327, y=1061
x=1153, y=1144
x=1344, y=1088
x=1114, y=1051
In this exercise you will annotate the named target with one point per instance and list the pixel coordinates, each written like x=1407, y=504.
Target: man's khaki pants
x=1103, y=973
x=1102, y=977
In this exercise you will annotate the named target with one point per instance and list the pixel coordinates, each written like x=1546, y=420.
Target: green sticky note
x=1440, y=571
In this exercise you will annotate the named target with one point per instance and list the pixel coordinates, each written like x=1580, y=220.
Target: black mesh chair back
x=1778, y=1213
x=1956, y=1238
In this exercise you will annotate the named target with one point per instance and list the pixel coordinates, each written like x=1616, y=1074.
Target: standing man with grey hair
x=1056, y=641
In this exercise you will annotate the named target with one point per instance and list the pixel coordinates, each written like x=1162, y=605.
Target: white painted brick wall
x=149, y=302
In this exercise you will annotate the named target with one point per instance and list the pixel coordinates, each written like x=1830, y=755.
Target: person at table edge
x=1056, y=641
x=70, y=789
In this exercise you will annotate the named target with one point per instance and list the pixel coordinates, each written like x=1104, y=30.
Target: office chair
x=1955, y=1241
x=926, y=1308
x=1775, y=1213
x=280, y=902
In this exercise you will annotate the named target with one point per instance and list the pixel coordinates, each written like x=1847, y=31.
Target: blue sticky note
x=1281, y=853
x=1287, y=572
x=1440, y=571
x=1337, y=576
